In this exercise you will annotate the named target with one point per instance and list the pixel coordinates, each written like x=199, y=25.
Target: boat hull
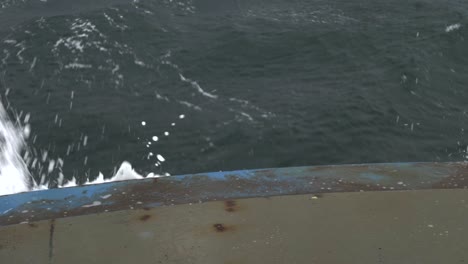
x=336, y=214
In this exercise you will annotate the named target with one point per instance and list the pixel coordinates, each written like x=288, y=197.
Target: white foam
x=249, y=117
x=113, y=23
x=139, y=63
x=197, y=87
x=14, y=176
x=71, y=183
x=452, y=27
x=76, y=65
x=190, y=105
x=126, y=172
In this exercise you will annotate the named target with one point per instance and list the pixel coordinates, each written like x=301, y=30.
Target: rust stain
x=51, y=240
x=230, y=203
x=458, y=179
x=145, y=217
x=263, y=183
x=230, y=206
x=220, y=228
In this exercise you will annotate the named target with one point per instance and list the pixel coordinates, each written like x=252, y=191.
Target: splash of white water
x=14, y=174
x=125, y=172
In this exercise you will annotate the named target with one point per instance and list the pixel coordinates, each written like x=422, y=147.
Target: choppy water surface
x=185, y=86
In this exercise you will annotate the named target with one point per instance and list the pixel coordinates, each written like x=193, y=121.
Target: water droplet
x=160, y=158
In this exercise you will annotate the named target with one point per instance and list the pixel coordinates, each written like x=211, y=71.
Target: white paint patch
x=106, y=196
x=95, y=203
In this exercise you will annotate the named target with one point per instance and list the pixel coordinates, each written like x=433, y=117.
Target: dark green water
x=261, y=83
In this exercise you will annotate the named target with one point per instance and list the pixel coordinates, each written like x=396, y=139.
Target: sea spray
x=14, y=175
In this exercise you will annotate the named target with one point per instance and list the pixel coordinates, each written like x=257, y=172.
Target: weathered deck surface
x=327, y=214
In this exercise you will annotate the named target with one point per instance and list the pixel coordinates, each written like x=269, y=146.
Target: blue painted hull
x=185, y=189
